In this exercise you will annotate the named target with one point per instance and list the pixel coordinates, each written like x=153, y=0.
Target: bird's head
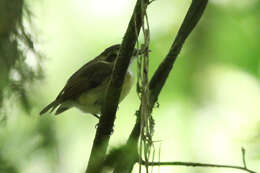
x=110, y=54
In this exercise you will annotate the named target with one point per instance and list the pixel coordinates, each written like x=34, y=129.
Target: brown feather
x=48, y=107
x=61, y=109
x=85, y=80
x=88, y=77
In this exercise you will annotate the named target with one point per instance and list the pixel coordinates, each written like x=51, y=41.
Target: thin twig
x=244, y=157
x=194, y=164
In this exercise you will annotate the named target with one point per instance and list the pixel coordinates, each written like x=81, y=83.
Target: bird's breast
x=127, y=85
x=92, y=100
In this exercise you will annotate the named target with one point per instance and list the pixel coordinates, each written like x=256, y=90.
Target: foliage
x=17, y=51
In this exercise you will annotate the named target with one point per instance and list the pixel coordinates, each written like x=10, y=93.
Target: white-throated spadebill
x=86, y=88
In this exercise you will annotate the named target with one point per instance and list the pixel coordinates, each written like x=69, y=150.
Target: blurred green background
x=209, y=107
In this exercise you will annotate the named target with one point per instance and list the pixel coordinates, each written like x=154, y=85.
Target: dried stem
x=157, y=82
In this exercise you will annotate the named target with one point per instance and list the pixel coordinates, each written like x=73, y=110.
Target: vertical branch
x=159, y=78
x=191, y=19
x=110, y=105
x=129, y=152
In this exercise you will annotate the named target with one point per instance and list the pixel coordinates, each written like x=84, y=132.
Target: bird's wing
x=85, y=79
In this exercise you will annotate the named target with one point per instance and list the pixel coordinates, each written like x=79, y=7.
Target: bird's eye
x=111, y=57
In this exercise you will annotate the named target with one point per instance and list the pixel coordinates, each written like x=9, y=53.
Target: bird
x=85, y=89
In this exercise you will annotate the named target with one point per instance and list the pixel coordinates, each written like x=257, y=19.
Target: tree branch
x=160, y=76
x=158, y=80
x=194, y=164
x=110, y=105
x=191, y=19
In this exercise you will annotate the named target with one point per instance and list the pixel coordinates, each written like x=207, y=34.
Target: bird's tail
x=61, y=109
x=51, y=106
